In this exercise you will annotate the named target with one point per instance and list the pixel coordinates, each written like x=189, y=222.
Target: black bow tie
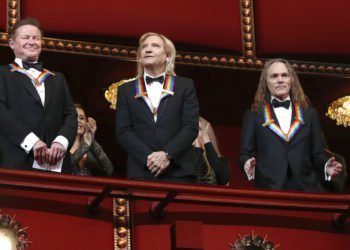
x=28, y=65
x=284, y=104
x=149, y=80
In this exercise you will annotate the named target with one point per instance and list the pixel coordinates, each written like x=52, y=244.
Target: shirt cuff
x=326, y=176
x=29, y=141
x=62, y=140
x=250, y=177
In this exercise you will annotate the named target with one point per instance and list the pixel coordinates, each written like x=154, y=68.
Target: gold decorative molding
x=128, y=53
x=122, y=234
x=339, y=110
x=112, y=91
x=247, y=29
x=247, y=61
x=13, y=10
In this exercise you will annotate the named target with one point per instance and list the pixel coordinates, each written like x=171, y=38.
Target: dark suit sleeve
x=247, y=146
x=69, y=125
x=318, y=156
x=10, y=126
x=219, y=163
x=190, y=120
x=125, y=132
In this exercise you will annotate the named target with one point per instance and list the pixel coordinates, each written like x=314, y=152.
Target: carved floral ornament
x=339, y=110
x=112, y=91
x=251, y=241
x=12, y=236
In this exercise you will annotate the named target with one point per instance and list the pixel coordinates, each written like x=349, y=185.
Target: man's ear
x=11, y=42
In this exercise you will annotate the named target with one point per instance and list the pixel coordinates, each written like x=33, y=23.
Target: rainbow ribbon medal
x=140, y=91
x=294, y=128
x=39, y=80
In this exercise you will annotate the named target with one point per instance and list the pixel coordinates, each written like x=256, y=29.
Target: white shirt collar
x=19, y=62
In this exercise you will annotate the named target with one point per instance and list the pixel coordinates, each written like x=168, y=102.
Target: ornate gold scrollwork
x=112, y=91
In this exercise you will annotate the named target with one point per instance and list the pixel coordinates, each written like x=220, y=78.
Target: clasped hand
x=43, y=154
x=157, y=163
x=333, y=168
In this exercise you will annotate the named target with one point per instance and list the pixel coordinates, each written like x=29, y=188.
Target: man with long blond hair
x=157, y=116
x=281, y=143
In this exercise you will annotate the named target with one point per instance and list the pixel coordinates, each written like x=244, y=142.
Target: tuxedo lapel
x=141, y=96
x=27, y=83
x=141, y=93
x=168, y=90
x=49, y=90
x=271, y=121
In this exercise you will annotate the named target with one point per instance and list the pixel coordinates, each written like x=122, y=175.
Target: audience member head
x=206, y=132
x=25, y=39
x=155, y=54
x=278, y=78
x=82, y=120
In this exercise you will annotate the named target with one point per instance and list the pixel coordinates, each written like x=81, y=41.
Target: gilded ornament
x=132, y=53
x=187, y=58
x=115, y=51
x=78, y=47
x=339, y=110
x=247, y=20
x=51, y=44
x=223, y=61
x=87, y=48
x=121, y=221
x=178, y=58
x=259, y=64
x=249, y=62
x=330, y=69
x=111, y=97
x=121, y=210
x=247, y=28
x=232, y=61
x=205, y=59
x=124, y=52
x=13, y=4
x=13, y=13
x=249, y=53
x=303, y=67
x=97, y=50
x=122, y=231
x=246, y=4
x=12, y=22
x=196, y=59
x=246, y=12
x=106, y=51
x=214, y=60
x=60, y=45
x=241, y=62
x=248, y=37
x=312, y=68
x=321, y=68
x=121, y=243
x=248, y=45
x=69, y=46
x=339, y=70
x=120, y=201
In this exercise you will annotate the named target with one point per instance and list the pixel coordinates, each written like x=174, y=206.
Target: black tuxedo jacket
x=173, y=132
x=22, y=112
x=303, y=154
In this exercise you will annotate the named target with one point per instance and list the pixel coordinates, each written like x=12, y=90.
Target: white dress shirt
x=154, y=92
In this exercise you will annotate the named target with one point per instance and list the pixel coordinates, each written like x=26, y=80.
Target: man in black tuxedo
x=37, y=115
x=157, y=116
x=281, y=143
